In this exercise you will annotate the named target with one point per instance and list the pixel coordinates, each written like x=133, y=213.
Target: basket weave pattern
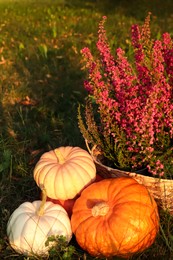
x=161, y=189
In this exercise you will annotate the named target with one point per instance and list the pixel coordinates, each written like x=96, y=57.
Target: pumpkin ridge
x=141, y=192
x=41, y=166
x=24, y=231
x=49, y=209
x=56, y=218
x=62, y=224
x=37, y=226
x=61, y=179
x=133, y=249
x=140, y=240
x=111, y=235
x=73, y=174
x=73, y=169
x=120, y=249
x=97, y=237
x=142, y=205
x=132, y=227
x=85, y=229
x=76, y=153
x=19, y=215
x=44, y=175
x=116, y=194
x=50, y=218
x=73, y=164
x=134, y=202
x=27, y=206
x=81, y=223
x=83, y=168
x=108, y=231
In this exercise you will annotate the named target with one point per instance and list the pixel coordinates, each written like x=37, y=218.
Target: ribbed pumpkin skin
x=65, y=172
x=27, y=232
x=130, y=225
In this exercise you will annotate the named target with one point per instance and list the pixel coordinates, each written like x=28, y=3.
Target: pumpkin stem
x=100, y=209
x=59, y=155
x=40, y=211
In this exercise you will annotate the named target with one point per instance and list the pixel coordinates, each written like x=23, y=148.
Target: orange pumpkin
x=115, y=217
x=66, y=204
x=65, y=172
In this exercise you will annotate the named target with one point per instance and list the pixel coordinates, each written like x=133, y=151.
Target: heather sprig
x=129, y=109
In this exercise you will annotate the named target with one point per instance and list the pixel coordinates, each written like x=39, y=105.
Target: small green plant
x=61, y=248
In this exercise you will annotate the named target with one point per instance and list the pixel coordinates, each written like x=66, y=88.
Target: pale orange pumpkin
x=65, y=172
x=115, y=217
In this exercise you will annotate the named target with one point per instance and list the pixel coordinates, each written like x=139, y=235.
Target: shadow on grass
x=47, y=118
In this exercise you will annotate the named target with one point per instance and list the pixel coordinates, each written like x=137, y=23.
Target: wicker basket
x=161, y=189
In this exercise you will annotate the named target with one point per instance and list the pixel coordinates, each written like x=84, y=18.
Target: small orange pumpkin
x=66, y=204
x=115, y=217
x=65, y=172
x=98, y=178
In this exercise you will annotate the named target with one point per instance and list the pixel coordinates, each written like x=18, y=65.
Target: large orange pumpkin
x=65, y=172
x=115, y=217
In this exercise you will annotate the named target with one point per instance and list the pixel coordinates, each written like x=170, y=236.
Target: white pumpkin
x=65, y=172
x=31, y=224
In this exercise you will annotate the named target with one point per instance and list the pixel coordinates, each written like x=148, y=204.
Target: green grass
x=40, y=63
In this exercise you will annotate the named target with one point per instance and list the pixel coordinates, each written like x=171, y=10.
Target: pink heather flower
x=134, y=99
x=167, y=41
x=104, y=49
x=161, y=174
x=88, y=86
x=159, y=164
x=168, y=55
x=136, y=42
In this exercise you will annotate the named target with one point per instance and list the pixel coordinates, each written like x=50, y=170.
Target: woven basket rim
x=93, y=150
